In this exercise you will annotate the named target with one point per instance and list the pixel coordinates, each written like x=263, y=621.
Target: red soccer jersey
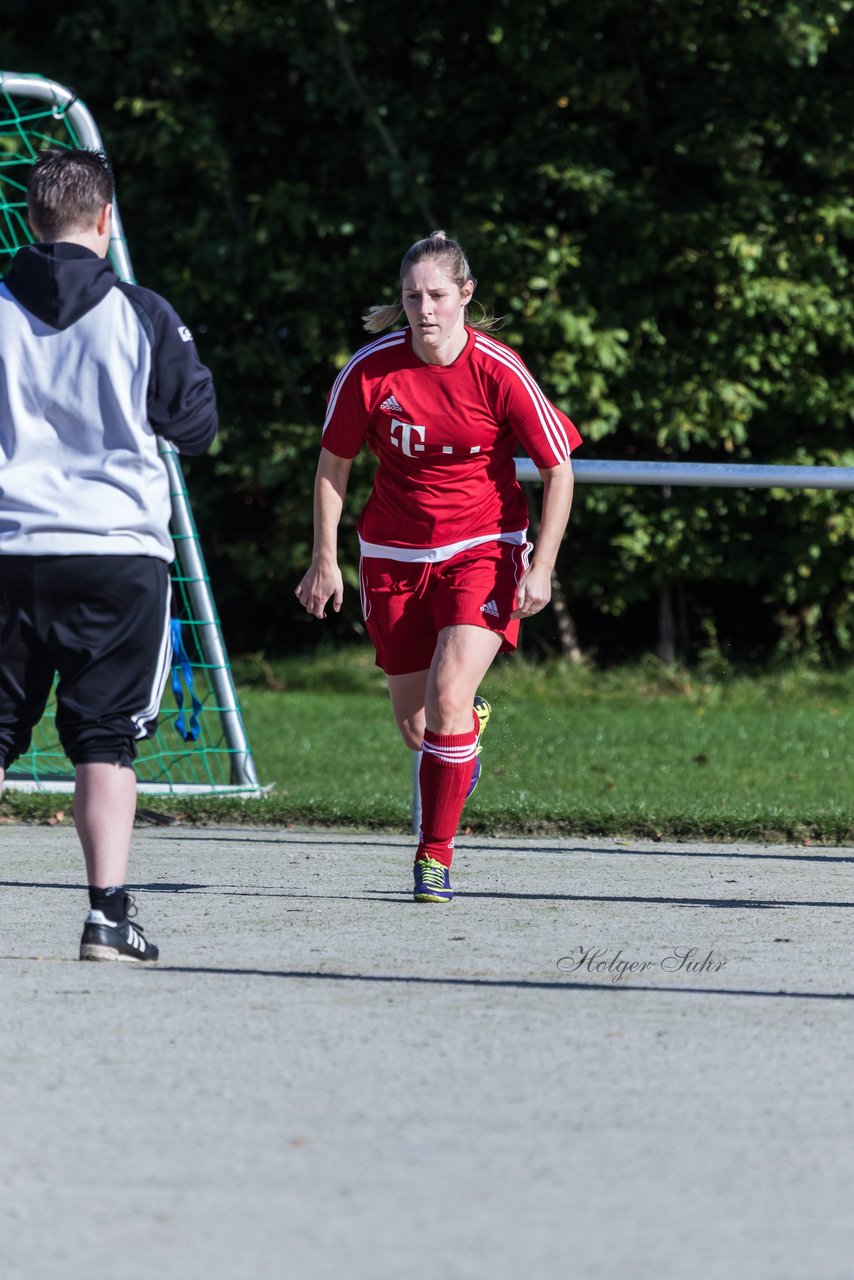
x=445, y=437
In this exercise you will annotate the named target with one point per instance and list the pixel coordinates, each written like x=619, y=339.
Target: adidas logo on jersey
x=391, y=406
x=490, y=607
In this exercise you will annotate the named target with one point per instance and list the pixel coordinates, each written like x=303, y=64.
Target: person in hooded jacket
x=92, y=371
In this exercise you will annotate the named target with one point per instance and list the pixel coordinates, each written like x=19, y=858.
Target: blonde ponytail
x=378, y=318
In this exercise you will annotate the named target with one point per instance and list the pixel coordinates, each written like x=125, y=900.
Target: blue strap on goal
x=181, y=668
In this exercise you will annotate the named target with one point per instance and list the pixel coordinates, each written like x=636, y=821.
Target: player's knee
x=412, y=733
x=451, y=708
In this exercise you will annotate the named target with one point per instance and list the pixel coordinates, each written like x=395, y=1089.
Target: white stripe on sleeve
x=553, y=428
x=394, y=339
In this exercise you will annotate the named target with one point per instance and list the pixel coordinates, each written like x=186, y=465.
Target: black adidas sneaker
x=103, y=940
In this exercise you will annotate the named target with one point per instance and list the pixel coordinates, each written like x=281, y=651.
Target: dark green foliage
x=657, y=195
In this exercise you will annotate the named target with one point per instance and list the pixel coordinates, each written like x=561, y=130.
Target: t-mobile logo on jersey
x=402, y=434
x=404, y=440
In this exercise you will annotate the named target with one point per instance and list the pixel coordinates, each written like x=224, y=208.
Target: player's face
x=435, y=308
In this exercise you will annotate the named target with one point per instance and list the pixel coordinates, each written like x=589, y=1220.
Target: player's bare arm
x=323, y=582
x=535, y=585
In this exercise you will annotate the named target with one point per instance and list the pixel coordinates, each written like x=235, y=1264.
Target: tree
x=656, y=194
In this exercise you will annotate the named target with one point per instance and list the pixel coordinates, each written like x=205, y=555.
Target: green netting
x=219, y=757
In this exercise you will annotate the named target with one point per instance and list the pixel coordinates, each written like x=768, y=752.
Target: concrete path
x=607, y=1058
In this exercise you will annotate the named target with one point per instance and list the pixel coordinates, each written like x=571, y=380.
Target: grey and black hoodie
x=92, y=371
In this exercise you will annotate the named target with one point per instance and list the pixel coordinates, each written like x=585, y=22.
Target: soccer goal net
x=201, y=745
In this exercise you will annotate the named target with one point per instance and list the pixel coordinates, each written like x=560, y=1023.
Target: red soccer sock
x=447, y=762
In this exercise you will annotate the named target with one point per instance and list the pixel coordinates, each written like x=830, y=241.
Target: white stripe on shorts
x=164, y=665
x=435, y=555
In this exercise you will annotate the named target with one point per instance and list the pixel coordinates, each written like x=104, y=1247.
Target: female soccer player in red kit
x=446, y=572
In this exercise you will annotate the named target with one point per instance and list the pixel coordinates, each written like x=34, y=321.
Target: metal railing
x=718, y=475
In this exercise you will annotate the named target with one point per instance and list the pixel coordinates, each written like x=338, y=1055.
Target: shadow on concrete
x=510, y=984
x=393, y=896
x=380, y=840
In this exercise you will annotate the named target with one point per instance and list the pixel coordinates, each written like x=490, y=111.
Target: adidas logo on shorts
x=391, y=405
x=490, y=607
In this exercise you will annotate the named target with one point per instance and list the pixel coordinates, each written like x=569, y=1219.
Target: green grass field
x=646, y=751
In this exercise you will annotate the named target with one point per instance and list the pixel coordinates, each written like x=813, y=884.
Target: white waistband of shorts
x=434, y=555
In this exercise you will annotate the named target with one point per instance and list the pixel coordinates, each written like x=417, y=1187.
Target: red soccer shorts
x=406, y=605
